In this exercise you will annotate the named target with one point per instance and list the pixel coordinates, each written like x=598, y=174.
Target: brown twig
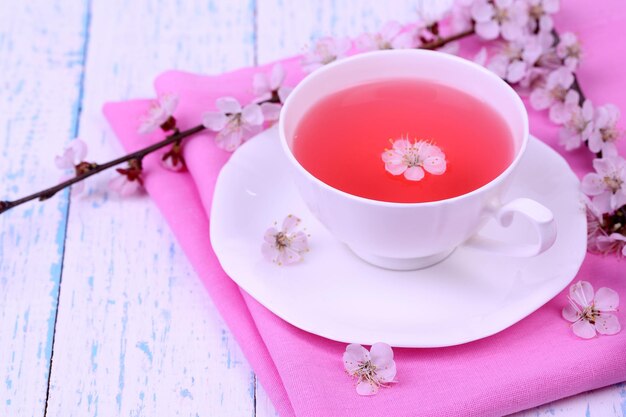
x=96, y=168
x=436, y=44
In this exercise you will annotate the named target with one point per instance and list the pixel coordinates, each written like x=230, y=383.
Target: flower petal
x=606, y=299
x=277, y=76
x=386, y=372
x=390, y=30
x=435, y=165
x=252, y=115
x=260, y=85
x=607, y=324
x=550, y=6
x=517, y=71
x=289, y=223
x=365, y=388
x=80, y=150
x=168, y=102
x=414, y=174
x=540, y=99
x=283, y=93
x=392, y=157
x=381, y=353
x=214, y=121
x=270, y=235
x=482, y=11
x=395, y=169
x=288, y=256
x=270, y=252
x=228, y=105
x=353, y=356
x=511, y=30
x=603, y=202
x=401, y=145
x=570, y=314
x=498, y=64
x=129, y=187
x=584, y=329
x=299, y=242
x=481, y=57
x=65, y=161
x=366, y=42
x=593, y=184
x=405, y=40
x=117, y=183
x=487, y=30
x=271, y=111
x=229, y=139
x=582, y=293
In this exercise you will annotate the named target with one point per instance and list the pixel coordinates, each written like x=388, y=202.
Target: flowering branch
x=159, y=116
x=93, y=168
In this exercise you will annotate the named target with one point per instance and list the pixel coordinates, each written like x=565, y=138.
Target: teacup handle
x=537, y=214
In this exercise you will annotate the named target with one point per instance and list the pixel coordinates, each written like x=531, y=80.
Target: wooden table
x=100, y=312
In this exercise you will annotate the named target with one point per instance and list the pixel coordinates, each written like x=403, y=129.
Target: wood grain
x=136, y=333
x=41, y=67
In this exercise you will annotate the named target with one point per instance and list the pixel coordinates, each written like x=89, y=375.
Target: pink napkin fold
x=533, y=362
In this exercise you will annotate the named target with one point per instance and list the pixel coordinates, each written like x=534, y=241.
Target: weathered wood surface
x=100, y=312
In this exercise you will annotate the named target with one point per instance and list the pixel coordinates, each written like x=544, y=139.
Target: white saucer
x=332, y=293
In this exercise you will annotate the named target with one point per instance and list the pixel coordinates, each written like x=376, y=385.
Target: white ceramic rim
x=372, y=55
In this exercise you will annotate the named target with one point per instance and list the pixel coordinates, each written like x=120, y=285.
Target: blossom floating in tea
x=413, y=158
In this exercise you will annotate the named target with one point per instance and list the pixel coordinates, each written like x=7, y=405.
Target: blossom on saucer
x=233, y=123
x=607, y=185
x=389, y=37
x=590, y=314
x=73, y=159
x=579, y=127
x=499, y=17
x=325, y=51
x=160, y=114
x=556, y=94
x=605, y=132
x=373, y=369
x=270, y=86
x=129, y=181
x=569, y=50
x=285, y=246
x=413, y=158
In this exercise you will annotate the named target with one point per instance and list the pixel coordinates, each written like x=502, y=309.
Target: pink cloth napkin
x=533, y=362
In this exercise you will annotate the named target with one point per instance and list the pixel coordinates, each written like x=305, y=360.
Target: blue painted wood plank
x=41, y=62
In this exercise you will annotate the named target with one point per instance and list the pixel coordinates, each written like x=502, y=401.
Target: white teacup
x=406, y=236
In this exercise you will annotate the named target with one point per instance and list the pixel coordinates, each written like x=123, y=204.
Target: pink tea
x=341, y=139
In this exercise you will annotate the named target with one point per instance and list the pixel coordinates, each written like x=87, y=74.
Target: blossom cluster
x=529, y=54
x=522, y=47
